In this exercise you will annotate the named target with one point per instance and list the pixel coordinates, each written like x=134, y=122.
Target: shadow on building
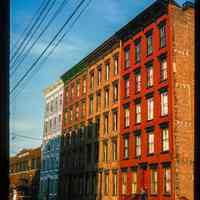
x=79, y=159
x=50, y=169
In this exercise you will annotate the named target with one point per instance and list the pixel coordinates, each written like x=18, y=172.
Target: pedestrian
x=143, y=194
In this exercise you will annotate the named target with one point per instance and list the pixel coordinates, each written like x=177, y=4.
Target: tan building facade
x=25, y=174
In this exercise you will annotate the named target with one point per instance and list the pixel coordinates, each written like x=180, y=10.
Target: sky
x=100, y=20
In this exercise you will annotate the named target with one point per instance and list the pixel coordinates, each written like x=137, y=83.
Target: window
x=115, y=120
x=90, y=129
x=77, y=112
x=126, y=147
x=134, y=182
x=127, y=57
x=163, y=69
x=84, y=86
x=55, y=104
x=127, y=86
x=115, y=92
x=83, y=109
x=124, y=183
x=137, y=82
x=51, y=106
x=165, y=139
x=151, y=142
x=89, y=157
x=126, y=117
x=67, y=95
x=149, y=44
x=137, y=51
x=150, y=108
x=59, y=120
x=91, y=105
x=154, y=181
x=96, y=151
x=106, y=186
x=72, y=92
x=98, y=102
x=150, y=76
x=164, y=103
x=106, y=123
x=107, y=71
x=116, y=63
x=162, y=35
x=78, y=88
x=99, y=75
x=138, y=146
x=115, y=184
x=92, y=80
x=97, y=126
x=114, y=149
x=105, y=151
x=167, y=180
x=106, y=98
x=138, y=112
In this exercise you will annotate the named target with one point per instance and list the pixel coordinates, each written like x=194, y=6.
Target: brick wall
x=183, y=100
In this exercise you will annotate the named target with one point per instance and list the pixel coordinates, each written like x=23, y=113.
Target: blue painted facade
x=50, y=152
x=49, y=173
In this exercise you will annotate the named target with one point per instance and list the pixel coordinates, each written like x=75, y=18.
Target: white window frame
x=154, y=181
x=167, y=180
x=150, y=76
x=138, y=147
x=134, y=182
x=150, y=108
x=164, y=103
x=138, y=112
x=127, y=117
x=151, y=142
x=165, y=139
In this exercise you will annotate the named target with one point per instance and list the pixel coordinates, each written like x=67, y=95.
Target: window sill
x=162, y=47
x=137, y=62
x=150, y=154
x=167, y=194
x=163, y=116
x=165, y=152
x=156, y=194
x=126, y=68
x=149, y=54
x=163, y=81
x=150, y=120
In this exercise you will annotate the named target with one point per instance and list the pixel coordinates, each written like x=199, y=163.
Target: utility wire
x=32, y=30
x=26, y=137
x=53, y=49
x=62, y=5
x=28, y=25
x=44, y=51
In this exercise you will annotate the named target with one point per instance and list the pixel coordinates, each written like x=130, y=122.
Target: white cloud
x=23, y=125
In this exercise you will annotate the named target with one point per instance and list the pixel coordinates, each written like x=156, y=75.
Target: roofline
x=115, y=38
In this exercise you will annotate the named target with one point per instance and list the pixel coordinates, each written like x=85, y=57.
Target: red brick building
x=157, y=103
x=153, y=149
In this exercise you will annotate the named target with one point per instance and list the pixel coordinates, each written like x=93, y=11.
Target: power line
x=29, y=24
x=44, y=51
x=27, y=42
x=40, y=35
x=55, y=46
x=24, y=136
x=31, y=30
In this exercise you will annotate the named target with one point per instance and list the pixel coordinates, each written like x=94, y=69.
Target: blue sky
x=100, y=21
